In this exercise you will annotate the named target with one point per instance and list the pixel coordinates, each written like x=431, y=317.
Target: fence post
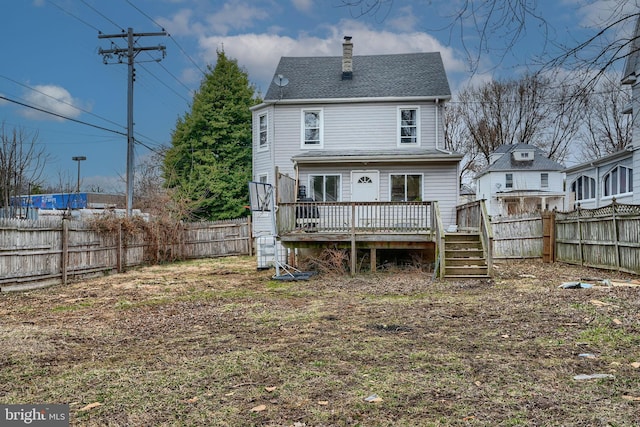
x=548, y=236
x=615, y=233
x=580, y=236
x=65, y=250
x=119, y=248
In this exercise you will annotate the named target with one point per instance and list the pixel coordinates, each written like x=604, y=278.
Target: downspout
x=442, y=150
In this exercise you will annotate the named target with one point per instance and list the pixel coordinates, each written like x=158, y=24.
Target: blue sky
x=51, y=61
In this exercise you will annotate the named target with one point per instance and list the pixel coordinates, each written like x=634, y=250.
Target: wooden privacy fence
x=47, y=251
x=606, y=237
x=517, y=236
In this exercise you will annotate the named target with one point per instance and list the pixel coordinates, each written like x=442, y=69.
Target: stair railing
x=486, y=235
x=440, y=252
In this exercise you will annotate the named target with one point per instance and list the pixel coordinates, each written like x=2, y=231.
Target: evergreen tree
x=209, y=163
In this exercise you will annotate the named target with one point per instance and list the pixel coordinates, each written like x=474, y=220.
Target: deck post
x=373, y=258
x=354, y=252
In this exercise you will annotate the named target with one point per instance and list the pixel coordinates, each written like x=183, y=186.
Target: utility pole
x=130, y=53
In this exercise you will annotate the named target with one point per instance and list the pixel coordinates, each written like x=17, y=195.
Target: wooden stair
x=464, y=256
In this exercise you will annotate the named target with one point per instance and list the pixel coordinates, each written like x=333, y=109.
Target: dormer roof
x=507, y=161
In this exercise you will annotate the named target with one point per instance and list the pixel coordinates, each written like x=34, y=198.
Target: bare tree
x=532, y=110
x=607, y=128
x=151, y=195
x=457, y=138
x=21, y=163
x=496, y=27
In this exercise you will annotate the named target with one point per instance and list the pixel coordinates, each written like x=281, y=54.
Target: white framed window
x=618, y=180
x=406, y=187
x=544, y=180
x=325, y=188
x=263, y=131
x=263, y=178
x=312, y=132
x=584, y=188
x=508, y=180
x=408, y=126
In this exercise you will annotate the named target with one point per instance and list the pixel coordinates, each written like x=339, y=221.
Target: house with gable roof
x=361, y=138
x=520, y=178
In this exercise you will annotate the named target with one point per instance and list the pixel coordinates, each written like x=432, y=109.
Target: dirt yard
x=217, y=343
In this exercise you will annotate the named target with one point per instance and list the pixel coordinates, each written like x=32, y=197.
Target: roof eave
x=354, y=100
x=378, y=159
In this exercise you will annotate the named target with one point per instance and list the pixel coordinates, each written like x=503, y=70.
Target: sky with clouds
x=52, y=61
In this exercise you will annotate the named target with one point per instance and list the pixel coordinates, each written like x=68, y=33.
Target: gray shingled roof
x=398, y=75
x=633, y=58
x=506, y=163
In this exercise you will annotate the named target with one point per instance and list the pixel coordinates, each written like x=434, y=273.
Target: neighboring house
x=357, y=129
x=520, y=178
x=598, y=182
x=631, y=76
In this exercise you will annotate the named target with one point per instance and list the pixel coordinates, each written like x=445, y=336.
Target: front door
x=364, y=188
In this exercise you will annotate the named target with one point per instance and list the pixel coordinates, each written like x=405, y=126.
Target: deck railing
x=355, y=217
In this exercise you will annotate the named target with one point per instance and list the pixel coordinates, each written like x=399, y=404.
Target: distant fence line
x=47, y=251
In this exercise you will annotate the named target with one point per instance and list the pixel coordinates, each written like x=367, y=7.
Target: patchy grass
x=215, y=342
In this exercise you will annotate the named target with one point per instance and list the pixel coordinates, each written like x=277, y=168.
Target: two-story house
x=362, y=138
x=520, y=178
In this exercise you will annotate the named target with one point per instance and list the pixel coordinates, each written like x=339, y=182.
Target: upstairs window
x=263, y=140
x=618, y=181
x=508, y=180
x=408, y=128
x=406, y=188
x=544, y=180
x=312, y=128
x=584, y=188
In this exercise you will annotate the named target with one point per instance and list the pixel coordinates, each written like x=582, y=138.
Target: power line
x=42, y=110
x=61, y=101
x=73, y=16
x=103, y=15
x=169, y=35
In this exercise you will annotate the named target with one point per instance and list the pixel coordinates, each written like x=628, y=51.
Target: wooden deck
x=366, y=224
x=358, y=225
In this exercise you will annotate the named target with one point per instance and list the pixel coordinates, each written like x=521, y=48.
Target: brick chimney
x=347, y=59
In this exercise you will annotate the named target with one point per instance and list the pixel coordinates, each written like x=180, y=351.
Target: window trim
x=508, y=180
x=265, y=146
x=310, y=189
x=303, y=128
x=607, y=193
x=405, y=174
x=261, y=176
x=399, y=142
x=544, y=183
x=592, y=183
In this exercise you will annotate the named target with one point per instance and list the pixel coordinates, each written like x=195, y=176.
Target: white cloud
x=55, y=99
x=235, y=16
x=181, y=24
x=405, y=20
x=302, y=5
x=260, y=53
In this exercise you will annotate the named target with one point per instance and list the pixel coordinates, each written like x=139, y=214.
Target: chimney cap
x=347, y=38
